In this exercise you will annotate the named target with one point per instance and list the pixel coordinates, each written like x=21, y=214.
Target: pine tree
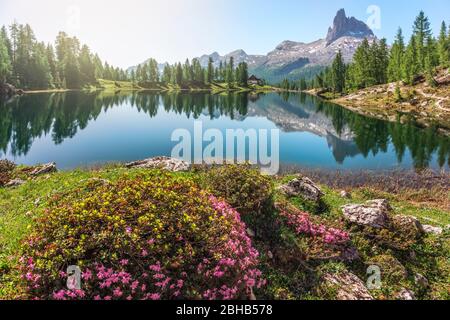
x=421, y=31
x=361, y=66
x=410, y=63
x=210, y=71
x=5, y=60
x=86, y=64
x=167, y=74
x=396, y=58
x=179, y=74
x=39, y=76
x=338, y=73
x=230, y=73
x=443, y=46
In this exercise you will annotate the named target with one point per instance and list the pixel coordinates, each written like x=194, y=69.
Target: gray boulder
x=432, y=230
x=348, y=286
x=304, y=187
x=408, y=224
x=164, y=163
x=405, y=294
x=14, y=183
x=374, y=213
x=44, y=169
x=421, y=281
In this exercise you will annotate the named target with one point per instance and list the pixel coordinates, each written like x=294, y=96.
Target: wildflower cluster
x=157, y=236
x=302, y=224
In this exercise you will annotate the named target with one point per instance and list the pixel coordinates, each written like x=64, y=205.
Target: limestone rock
x=421, y=281
x=405, y=294
x=346, y=195
x=348, y=286
x=44, y=169
x=343, y=26
x=14, y=183
x=408, y=224
x=164, y=163
x=250, y=233
x=373, y=213
x=304, y=187
x=433, y=230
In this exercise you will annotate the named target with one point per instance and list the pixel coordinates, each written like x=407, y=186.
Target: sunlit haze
x=127, y=33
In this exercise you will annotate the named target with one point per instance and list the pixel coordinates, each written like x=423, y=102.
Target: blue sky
x=127, y=32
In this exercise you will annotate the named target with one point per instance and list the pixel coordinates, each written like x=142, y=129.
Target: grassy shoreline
x=20, y=206
x=427, y=106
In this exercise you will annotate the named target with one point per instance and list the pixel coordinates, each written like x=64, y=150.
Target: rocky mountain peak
x=344, y=26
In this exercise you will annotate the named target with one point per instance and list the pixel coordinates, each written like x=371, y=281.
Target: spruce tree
x=396, y=58
x=210, y=71
x=443, y=46
x=338, y=73
x=421, y=31
x=5, y=60
x=410, y=63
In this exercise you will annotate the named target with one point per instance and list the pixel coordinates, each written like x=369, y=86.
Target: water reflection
x=62, y=116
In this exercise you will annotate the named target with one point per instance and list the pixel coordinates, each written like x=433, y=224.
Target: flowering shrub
x=302, y=224
x=244, y=188
x=153, y=237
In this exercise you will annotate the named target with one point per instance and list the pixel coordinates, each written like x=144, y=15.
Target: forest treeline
x=192, y=72
x=374, y=63
x=29, y=64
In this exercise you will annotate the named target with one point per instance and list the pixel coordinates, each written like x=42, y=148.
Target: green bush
x=156, y=236
x=392, y=271
x=242, y=186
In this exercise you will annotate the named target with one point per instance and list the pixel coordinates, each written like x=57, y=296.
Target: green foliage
x=338, y=74
x=244, y=188
x=155, y=236
x=5, y=59
x=392, y=271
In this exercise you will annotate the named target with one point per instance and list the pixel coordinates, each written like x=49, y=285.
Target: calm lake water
x=79, y=129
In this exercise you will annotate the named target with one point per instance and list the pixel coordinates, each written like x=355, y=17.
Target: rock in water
x=373, y=213
x=44, y=169
x=348, y=286
x=343, y=26
x=164, y=163
x=304, y=187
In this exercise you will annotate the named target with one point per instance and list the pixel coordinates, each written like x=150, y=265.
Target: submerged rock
x=44, y=169
x=304, y=187
x=348, y=286
x=164, y=163
x=373, y=213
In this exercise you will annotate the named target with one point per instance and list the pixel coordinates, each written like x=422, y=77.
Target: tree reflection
x=62, y=115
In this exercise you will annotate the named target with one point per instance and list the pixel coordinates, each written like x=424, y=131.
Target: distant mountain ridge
x=294, y=60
